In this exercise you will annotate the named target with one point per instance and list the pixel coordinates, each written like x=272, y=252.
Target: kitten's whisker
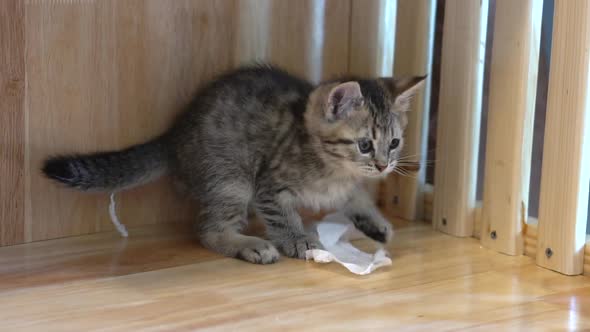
x=402, y=170
x=404, y=174
x=408, y=176
x=428, y=161
x=409, y=157
x=408, y=166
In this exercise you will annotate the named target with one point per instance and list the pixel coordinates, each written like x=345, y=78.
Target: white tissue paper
x=335, y=232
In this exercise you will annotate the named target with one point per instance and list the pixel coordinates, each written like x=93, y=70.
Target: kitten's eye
x=394, y=144
x=365, y=145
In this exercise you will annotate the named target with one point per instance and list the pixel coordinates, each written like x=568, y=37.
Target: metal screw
x=493, y=235
x=396, y=200
x=548, y=252
x=444, y=221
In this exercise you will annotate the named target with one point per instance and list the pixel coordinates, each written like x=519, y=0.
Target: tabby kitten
x=260, y=138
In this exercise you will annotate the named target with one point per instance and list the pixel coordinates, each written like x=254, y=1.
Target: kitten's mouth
x=375, y=173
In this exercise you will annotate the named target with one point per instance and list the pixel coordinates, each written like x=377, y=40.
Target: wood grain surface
x=12, y=122
x=158, y=280
x=106, y=74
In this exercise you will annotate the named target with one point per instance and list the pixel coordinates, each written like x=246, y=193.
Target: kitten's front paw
x=259, y=252
x=377, y=229
x=295, y=246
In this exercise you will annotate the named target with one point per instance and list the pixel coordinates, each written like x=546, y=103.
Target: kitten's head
x=358, y=125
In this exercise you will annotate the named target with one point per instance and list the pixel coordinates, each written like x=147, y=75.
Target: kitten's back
x=225, y=113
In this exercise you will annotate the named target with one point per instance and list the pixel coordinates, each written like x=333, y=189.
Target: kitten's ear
x=405, y=89
x=343, y=99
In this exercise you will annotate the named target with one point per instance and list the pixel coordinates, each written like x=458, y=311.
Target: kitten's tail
x=110, y=171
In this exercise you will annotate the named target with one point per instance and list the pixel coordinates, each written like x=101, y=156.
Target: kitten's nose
x=380, y=168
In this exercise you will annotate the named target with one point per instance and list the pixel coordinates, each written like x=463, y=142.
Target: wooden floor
x=159, y=279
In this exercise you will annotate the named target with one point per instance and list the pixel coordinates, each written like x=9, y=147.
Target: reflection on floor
x=160, y=279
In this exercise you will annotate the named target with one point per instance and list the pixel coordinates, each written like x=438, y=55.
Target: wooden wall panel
x=193, y=40
x=62, y=114
x=105, y=74
x=12, y=121
x=459, y=116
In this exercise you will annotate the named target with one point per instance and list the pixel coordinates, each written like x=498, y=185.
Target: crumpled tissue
x=335, y=232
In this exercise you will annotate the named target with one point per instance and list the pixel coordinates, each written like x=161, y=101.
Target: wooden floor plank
x=160, y=280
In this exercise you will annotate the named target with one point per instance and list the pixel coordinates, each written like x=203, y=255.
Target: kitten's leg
x=223, y=217
x=285, y=229
x=367, y=218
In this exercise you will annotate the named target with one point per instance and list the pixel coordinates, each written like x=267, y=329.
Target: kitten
x=259, y=137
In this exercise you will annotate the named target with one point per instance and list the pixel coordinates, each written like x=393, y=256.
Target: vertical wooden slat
x=308, y=38
x=513, y=88
x=335, y=38
x=297, y=52
x=371, y=51
x=372, y=37
x=459, y=116
x=477, y=220
x=413, y=57
x=530, y=237
x=253, y=31
x=428, y=195
x=587, y=260
x=12, y=99
x=566, y=154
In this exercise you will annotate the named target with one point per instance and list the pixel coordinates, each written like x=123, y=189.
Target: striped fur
x=261, y=138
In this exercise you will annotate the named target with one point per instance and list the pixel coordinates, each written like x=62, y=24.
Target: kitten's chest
x=325, y=194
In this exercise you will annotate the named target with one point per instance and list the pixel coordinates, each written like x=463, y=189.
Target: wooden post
x=372, y=37
x=413, y=57
x=513, y=88
x=308, y=38
x=459, y=116
x=587, y=260
x=563, y=205
x=371, y=48
x=252, y=31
